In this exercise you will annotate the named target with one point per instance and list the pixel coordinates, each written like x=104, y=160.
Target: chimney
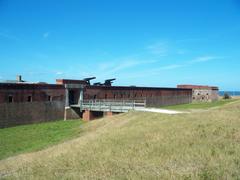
x=19, y=78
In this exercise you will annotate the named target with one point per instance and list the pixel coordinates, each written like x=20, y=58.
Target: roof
x=30, y=86
x=197, y=87
x=70, y=81
x=135, y=88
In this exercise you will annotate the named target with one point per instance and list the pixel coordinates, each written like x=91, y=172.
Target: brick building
x=23, y=103
x=203, y=93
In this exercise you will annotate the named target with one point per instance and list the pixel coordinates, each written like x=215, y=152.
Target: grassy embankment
x=28, y=138
x=201, y=105
x=140, y=145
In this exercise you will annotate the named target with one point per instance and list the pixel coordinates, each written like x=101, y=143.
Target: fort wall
x=12, y=114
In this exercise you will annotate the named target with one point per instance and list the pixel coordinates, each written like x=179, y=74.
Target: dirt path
x=157, y=110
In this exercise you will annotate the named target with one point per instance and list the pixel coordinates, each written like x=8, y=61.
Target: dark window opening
x=50, y=98
x=71, y=96
x=95, y=96
x=10, y=99
x=114, y=96
x=29, y=99
x=105, y=96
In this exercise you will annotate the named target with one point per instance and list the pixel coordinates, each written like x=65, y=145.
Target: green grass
x=141, y=145
x=200, y=105
x=28, y=138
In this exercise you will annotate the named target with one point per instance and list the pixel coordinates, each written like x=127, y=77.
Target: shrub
x=226, y=96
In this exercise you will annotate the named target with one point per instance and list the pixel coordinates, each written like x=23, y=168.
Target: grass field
x=34, y=137
x=200, y=105
x=140, y=145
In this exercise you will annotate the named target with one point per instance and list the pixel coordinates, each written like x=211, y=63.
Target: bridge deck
x=111, y=105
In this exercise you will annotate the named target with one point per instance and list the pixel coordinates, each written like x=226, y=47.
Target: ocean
x=231, y=93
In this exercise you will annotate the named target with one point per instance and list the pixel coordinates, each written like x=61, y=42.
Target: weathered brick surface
x=72, y=113
x=202, y=93
x=38, y=92
x=154, y=96
x=12, y=114
x=87, y=115
x=90, y=115
x=109, y=113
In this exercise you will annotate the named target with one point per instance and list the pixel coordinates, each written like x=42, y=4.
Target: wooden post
x=67, y=98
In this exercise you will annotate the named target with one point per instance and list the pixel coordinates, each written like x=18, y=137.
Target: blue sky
x=139, y=42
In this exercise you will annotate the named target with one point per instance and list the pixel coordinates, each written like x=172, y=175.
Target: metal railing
x=111, y=105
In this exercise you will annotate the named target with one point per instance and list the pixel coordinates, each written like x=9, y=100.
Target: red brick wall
x=20, y=111
x=12, y=114
x=154, y=96
x=38, y=92
x=115, y=92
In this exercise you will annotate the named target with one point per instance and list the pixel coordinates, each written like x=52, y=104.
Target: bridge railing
x=111, y=105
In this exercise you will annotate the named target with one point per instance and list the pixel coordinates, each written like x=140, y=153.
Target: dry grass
x=140, y=145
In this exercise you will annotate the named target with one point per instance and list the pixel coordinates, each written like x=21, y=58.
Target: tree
x=226, y=96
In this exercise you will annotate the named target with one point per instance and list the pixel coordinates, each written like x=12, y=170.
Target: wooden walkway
x=111, y=105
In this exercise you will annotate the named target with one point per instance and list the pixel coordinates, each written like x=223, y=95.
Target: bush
x=226, y=96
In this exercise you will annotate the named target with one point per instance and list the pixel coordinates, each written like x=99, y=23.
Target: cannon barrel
x=98, y=84
x=89, y=79
x=108, y=82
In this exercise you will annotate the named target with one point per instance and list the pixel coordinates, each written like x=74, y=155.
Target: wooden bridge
x=107, y=105
x=92, y=108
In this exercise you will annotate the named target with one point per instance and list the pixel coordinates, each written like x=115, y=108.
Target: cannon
x=89, y=79
x=108, y=82
x=98, y=84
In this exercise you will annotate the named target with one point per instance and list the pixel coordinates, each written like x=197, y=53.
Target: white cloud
x=46, y=35
x=172, y=66
x=160, y=49
x=113, y=69
x=59, y=73
x=200, y=59
x=128, y=63
x=204, y=59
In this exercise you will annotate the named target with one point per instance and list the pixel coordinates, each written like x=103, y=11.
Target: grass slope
x=140, y=145
x=34, y=137
x=200, y=105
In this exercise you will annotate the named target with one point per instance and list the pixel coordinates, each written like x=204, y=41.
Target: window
x=105, y=96
x=10, y=99
x=29, y=99
x=49, y=98
x=114, y=96
x=95, y=96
